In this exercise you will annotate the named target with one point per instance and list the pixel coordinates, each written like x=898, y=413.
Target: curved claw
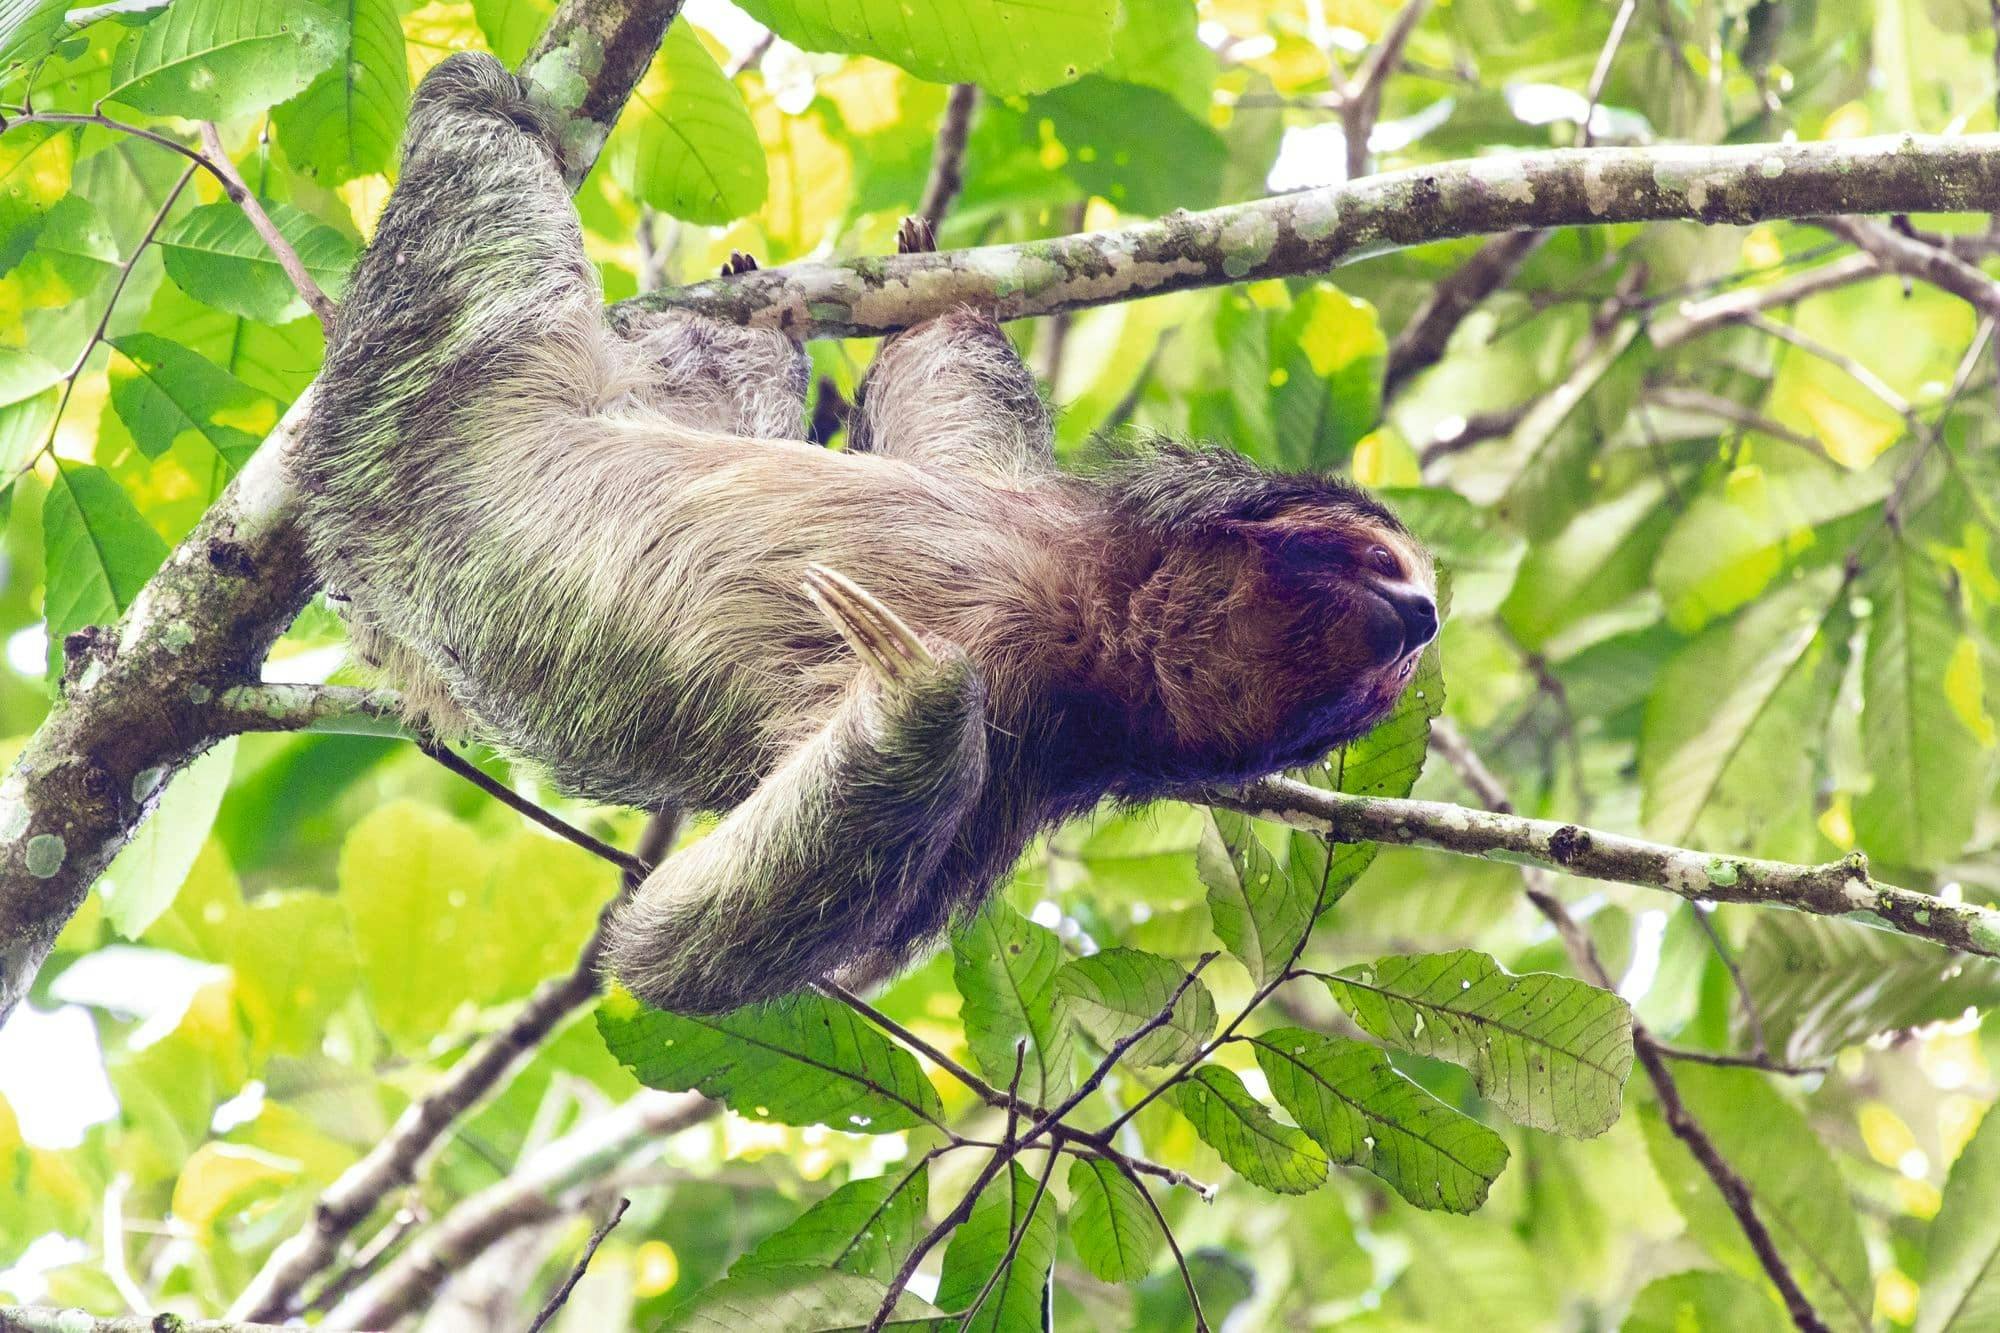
x=916, y=236
x=877, y=635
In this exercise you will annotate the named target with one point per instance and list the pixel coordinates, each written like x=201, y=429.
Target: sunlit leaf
x=220, y=59
x=215, y=252
x=1698, y=1301
x=798, y=1061
x=1005, y=46
x=349, y=121
x=1361, y=1111
x=686, y=144
x=35, y=164
x=166, y=393
x=143, y=878
x=1549, y=1051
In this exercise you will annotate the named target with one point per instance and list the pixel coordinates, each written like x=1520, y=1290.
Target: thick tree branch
x=1841, y=888
x=1314, y=231
x=47, y=1319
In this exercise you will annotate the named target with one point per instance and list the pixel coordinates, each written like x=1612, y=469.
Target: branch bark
x=49, y=1319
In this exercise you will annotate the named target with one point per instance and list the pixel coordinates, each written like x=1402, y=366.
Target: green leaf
x=1262, y=904
x=784, y=1300
x=72, y=259
x=28, y=32
x=1927, y=763
x=1549, y=1051
x=1800, y=1193
x=1156, y=44
x=215, y=254
x=1272, y=1156
x=1009, y=1206
x=511, y=26
x=141, y=881
x=35, y=165
x=866, y=1227
x=686, y=144
x=407, y=875
x=1115, y=992
x=165, y=393
x=1328, y=354
x=220, y=59
x=1004, y=966
x=1716, y=691
x=1113, y=1229
x=1004, y=46
x=1699, y=1301
x=1132, y=145
x=803, y=1060
x=99, y=553
x=275, y=360
x=1825, y=985
x=1360, y=1110
x=349, y=121
x=1601, y=558
x=1961, y=1290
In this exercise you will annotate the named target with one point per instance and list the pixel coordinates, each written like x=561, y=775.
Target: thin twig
x=1602, y=72
x=1016, y=1233
x=513, y=800
x=288, y=258
x=1727, y=1060
x=576, y=1273
x=1361, y=99
x=947, y=176
x=1180, y=1260
x=1753, y=1019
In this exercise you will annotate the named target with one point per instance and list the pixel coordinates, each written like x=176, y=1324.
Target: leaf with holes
x=220, y=59
x=1004, y=46
x=214, y=253
x=349, y=121
x=776, y=1300
x=1004, y=966
x=1549, y=1051
x=99, y=553
x=1262, y=902
x=866, y=1227
x=1360, y=1110
x=1276, y=1157
x=1113, y=1229
x=803, y=1060
x=1012, y=1206
x=686, y=144
x=1115, y=992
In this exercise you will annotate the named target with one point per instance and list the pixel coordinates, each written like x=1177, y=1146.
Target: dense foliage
x=1726, y=582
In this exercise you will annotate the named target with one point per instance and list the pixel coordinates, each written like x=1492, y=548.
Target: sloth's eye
x=1384, y=562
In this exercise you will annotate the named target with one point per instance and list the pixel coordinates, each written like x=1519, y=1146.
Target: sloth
x=610, y=552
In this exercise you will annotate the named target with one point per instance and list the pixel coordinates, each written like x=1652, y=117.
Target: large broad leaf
x=1799, y=1191
x=99, y=553
x=1010, y=1214
x=28, y=32
x=1115, y=992
x=140, y=883
x=1716, y=690
x=1114, y=1231
x=73, y=258
x=866, y=1227
x=784, y=1300
x=1360, y=1110
x=1603, y=557
x=275, y=360
x=1156, y=45
x=803, y=1060
x=214, y=253
x=1962, y=1277
x=1549, y=1051
x=1918, y=717
x=1005, y=968
x=350, y=120
x=1264, y=1152
x=511, y=26
x=1132, y=145
x=220, y=59
x=1823, y=985
x=1004, y=46
x=165, y=393
x=1701, y=1301
x=686, y=144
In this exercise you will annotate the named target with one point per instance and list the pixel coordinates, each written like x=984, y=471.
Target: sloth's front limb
x=836, y=849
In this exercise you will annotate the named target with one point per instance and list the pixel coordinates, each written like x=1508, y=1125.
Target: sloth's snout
x=1418, y=612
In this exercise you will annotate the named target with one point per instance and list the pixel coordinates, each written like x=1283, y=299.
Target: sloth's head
x=1291, y=609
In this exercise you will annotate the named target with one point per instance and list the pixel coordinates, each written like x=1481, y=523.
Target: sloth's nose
x=1418, y=612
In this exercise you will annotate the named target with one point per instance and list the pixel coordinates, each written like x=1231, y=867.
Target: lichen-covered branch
x=48, y=1319
x=1314, y=231
x=1842, y=888
x=141, y=699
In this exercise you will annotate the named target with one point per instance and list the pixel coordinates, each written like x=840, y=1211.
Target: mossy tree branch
x=145, y=697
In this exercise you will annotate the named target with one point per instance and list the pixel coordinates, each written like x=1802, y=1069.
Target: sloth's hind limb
x=825, y=867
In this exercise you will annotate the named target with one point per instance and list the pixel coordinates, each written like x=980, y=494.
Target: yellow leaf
x=1852, y=437
x=1385, y=458
x=221, y=1179
x=1964, y=690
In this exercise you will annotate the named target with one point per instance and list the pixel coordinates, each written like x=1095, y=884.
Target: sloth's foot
x=916, y=236
x=739, y=262
x=878, y=636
